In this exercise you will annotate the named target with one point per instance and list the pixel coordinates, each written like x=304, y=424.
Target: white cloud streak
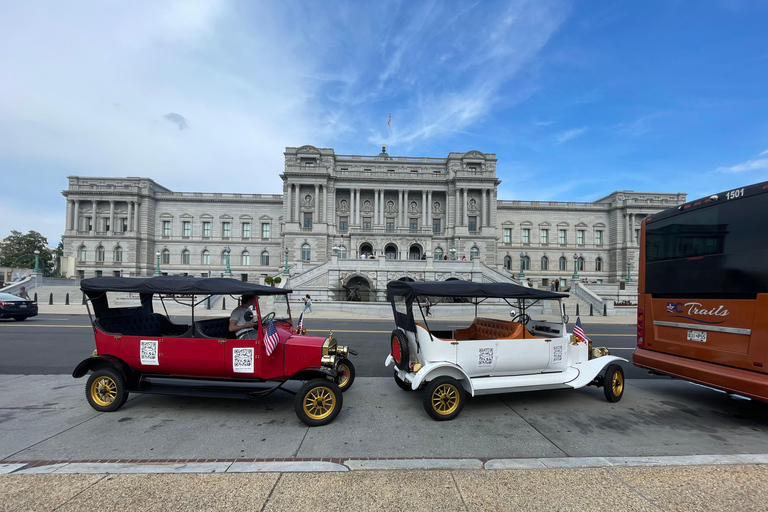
x=756, y=164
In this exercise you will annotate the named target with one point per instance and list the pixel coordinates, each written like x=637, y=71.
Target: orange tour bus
x=702, y=312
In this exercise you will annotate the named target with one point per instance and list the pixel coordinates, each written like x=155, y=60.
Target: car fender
x=433, y=370
x=389, y=360
x=94, y=363
x=591, y=369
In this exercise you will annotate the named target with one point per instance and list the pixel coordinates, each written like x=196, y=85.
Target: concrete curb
x=324, y=466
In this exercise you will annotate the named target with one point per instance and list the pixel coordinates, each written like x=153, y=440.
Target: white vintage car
x=491, y=355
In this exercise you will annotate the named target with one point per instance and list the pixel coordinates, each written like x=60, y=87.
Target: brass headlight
x=329, y=361
x=329, y=346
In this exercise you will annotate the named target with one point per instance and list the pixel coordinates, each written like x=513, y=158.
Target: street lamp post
x=629, y=276
x=157, y=268
x=522, y=264
x=285, y=270
x=228, y=270
x=37, y=262
x=575, y=267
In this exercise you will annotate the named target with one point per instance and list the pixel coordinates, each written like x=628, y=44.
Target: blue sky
x=576, y=98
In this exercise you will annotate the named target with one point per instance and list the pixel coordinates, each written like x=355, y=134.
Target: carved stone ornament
x=472, y=205
x=308, y=201
x=437, y=208
x=390, y=207
x=343, y=206
x=413, y=208
x=367, y=206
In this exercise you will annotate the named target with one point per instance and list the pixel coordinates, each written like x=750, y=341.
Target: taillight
x=640, y=328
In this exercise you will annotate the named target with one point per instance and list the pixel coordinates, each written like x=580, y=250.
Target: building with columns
x=419, y=217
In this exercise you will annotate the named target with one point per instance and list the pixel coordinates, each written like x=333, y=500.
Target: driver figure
x=241, y=320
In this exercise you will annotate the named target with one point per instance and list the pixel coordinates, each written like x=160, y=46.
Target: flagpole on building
x=389, y=133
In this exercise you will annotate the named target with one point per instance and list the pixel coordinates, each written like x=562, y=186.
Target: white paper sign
x=148, y=352
x=242, y=360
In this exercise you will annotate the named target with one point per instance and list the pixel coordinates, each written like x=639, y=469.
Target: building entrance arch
x=415, y=252
x=366, y=250
x=390, y=252
x=358, y=289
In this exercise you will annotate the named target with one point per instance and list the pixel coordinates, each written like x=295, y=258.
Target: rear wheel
x=318, y=402
x=444, y=398
x=106, y=390
x=399, y=348
x=346, y=374
x=19, y=318
x=404, y=385
x=613, y=383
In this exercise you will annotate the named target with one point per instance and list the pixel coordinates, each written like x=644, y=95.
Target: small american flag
x=301, y=323
x=271, y=340
x=579, y=332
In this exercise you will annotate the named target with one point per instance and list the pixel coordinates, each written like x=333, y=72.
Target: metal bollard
x=577, y=310
x=590, y=310
x=223, y=303
x=605, y=310
x=50, y=300
x=66, y=300
x=35, y=297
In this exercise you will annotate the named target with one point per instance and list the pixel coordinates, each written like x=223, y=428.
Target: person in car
x=241, y=320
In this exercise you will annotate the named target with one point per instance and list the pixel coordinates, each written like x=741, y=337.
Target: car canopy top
x=410, y=290
x=146, y=287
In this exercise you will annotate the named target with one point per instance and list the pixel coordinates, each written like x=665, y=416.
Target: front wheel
x=106, y=390
x=318, y=402
x=346, y=374
x=613, y=383
x=444, y=398
x=19, y=318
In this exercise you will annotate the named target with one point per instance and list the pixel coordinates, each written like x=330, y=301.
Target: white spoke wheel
x=106, y=390
x=318, y=402
x=444, y=398
x=613, y=383
x=346, y=374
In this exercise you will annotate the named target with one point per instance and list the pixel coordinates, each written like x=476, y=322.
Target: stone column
x=333, y=207
x=77, y=215
x=464, y=206
x=381, y=209
x=429, y=211
x=351, y=207
x=375, y=206
x=457, y=212
x=297, y=206
x=316, y=212
x=288, y=193
x=626, y=228
x=483, y=215
x=324, y=211
x=112, y=216
x=423, y=208
x=399, y=209
x=137, y=218
x=406, y=215
x=359, y=193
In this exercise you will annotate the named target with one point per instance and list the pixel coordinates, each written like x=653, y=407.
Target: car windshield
x=9, y=297
x=274, y=303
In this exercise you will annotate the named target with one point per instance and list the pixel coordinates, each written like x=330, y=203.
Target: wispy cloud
x=567, y=135
x=756, y=164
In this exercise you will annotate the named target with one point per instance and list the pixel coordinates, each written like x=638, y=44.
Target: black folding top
x=177, y=285
x=459, y=288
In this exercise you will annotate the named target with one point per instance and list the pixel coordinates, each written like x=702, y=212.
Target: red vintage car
x=141, y=351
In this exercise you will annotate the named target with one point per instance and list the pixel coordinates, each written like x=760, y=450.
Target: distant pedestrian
x=429, y=307
x=307, y=304
x=552, y=286
x=23, y=293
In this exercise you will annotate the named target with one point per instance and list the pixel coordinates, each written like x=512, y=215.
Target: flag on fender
x=579, y=332
x=300, y=324
x=271, y=339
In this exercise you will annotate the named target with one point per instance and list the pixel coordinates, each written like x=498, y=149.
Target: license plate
x=23, y=306
x=697, y=336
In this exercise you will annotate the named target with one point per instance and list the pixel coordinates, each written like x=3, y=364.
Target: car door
x=503, y=357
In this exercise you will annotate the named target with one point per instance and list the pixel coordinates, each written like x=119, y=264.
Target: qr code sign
x=148, y=352
x=242, y=360
x=557, y=354
x=485, y=357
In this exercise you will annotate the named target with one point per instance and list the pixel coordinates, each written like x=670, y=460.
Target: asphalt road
x=55, y=344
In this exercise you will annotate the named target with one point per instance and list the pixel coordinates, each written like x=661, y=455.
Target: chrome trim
x=697, y=327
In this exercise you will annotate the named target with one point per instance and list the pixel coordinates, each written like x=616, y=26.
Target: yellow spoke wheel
x=318, y=402
x=104, y=391
x=346, y=374
x=613, y=383
x=444, y=398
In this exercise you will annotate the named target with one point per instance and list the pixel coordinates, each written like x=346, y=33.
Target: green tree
x=18, y=250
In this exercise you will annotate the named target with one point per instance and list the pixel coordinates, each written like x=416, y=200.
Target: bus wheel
x=613, y=383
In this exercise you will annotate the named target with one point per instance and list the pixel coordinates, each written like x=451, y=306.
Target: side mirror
x=513, y=313
x=566, y=319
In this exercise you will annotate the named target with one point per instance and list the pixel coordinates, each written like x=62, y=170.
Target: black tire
x=318, y=402
x=405, y=386
x=444, y=398
x=399, y=349
x=106, y=390
x=613, y=383
x=346, y=374
x=19, y=318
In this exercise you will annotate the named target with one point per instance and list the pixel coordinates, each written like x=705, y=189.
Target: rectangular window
x=637, y=235
x=507, y=235
x=186, y=228
x=562, y=237
x=246, y=230
x=544, y=236
x=390, y=225
x=367, y=223
x=413, y=225
x=308, y=220
x=436, y=226
x=98, y=273
x=166, y=228
x=599, y=237
x=264, y=230
x=116, y=273
x=526, y=236
x=472, y=221
x=343, y=224
x=207, y=229
x=106, y=224
x=226, y=229
x=124, y=224
x=580, y=236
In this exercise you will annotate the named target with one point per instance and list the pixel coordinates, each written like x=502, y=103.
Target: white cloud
x=750, y=165
x=567, y=135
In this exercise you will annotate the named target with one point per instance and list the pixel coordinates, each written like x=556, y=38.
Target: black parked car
x=15, y=307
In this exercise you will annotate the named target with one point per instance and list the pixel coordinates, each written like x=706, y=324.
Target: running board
x=517, y=383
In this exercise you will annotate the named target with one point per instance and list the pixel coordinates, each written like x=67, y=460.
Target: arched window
x=342, y=252
x=599, y=264
x=118, y=254
x=185, y=257
x=438, y=254
x=526, y=262
x=265, y=259
x=581, y=263
x=474, y=253
x=205, y=258
x=100, y=254
x=544, y=263
x=563, y=263
x=306, y=252
x=390, y=252
x=166, y=257
x=82, y=253
x=508, y=262
x=245, y=258
x=224, y=258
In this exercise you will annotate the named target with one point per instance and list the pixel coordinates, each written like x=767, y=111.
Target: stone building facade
x=337, y=209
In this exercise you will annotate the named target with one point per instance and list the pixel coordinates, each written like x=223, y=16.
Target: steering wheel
x=523, y=318
x=269, y=316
